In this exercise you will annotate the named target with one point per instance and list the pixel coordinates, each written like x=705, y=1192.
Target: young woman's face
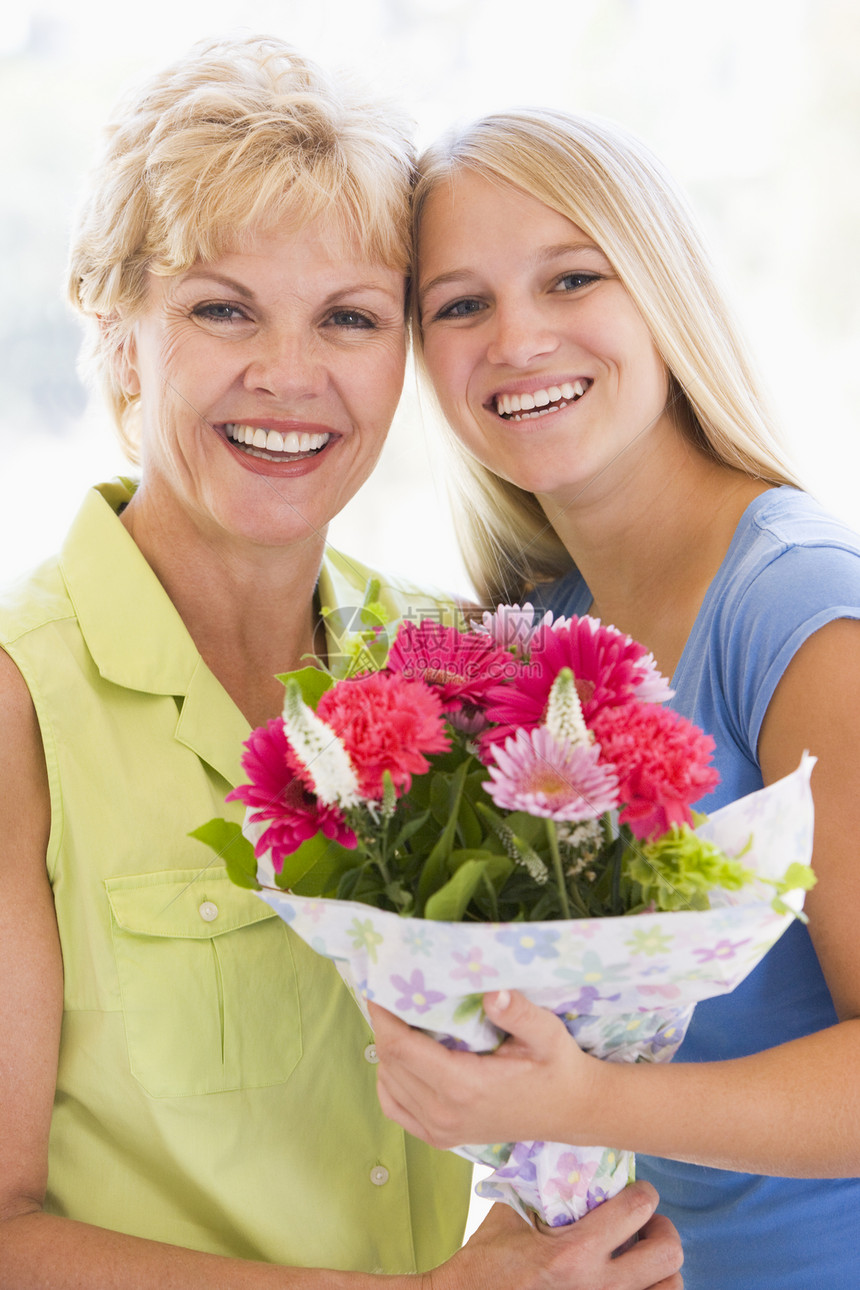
x=541, y=362
x=268, y=380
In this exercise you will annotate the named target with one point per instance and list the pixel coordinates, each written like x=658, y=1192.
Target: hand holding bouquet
x=510, y=807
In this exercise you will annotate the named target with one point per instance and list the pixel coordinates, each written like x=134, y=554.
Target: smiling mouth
x=527, y=407
x=269, y=444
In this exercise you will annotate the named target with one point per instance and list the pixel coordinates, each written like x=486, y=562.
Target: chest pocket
x=208, y=984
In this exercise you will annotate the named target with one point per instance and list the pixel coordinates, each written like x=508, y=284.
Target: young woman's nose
x=520, y=334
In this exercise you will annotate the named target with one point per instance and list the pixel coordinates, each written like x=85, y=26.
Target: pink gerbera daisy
x=461, y=666
x=386, y=723
x=663, y=764
x=610, y=669
x=537, y=773
x=280, y=790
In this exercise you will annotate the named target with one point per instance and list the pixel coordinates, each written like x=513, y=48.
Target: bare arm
x=39, y=1249
x=792, y=1110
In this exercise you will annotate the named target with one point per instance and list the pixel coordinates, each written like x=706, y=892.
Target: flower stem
x=552, y=838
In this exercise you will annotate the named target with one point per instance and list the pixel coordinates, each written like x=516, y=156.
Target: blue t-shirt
x=790, y=569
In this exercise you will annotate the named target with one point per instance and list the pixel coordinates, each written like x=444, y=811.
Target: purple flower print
x=472, y=966
x=573, y=1179
x=723, y=949
x=529, y=943
x=520, y=1163
x=415, y=993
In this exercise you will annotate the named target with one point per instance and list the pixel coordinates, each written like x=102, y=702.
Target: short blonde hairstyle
x=606, y=182
x=238, y=135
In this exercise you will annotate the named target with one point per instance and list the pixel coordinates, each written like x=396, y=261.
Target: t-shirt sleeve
x=767, y=619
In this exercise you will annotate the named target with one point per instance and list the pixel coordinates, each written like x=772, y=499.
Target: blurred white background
x=756, y=107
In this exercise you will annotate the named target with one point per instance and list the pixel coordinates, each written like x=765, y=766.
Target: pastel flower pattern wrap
x=625, y=987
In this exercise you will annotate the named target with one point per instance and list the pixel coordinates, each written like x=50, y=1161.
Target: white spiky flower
x=564, y=719
x=320, y=751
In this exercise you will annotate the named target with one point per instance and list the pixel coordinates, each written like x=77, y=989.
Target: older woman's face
x=268, y=380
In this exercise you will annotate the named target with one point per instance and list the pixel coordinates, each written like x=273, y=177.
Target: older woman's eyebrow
x=231, y=284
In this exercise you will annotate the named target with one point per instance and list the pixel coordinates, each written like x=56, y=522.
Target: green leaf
x=449, y=903
x=409, y=828
x=314, y=869
x=470, y=826
x=435, y=869
x=227, y=840
x=312, y=682
x=468, y=1007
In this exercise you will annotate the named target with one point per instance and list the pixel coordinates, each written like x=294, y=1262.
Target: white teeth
x=273, y=441
x=510, y=404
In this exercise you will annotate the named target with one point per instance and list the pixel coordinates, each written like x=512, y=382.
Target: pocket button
x=208, y=911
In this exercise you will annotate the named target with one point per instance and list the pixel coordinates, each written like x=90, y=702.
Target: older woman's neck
x=248, y=608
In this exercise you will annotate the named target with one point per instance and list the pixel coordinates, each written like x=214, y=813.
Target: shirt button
x=379, y=1175
x=371, y=1055
x=208, y=911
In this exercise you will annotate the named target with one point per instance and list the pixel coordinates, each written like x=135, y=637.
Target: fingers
x=536, y=1029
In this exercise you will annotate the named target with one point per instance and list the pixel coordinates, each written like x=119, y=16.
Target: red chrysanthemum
x=662, y=761
x=280, y=790
x=610, y=669
x=462, y=667
x=385, y=722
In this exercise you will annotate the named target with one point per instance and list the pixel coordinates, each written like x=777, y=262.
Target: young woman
x=616, y=459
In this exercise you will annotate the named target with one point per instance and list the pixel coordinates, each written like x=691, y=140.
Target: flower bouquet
x=510, y=807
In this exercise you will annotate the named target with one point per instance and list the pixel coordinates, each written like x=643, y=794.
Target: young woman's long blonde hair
x=606, y=182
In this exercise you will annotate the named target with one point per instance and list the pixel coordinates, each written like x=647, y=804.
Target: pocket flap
x=183, y=903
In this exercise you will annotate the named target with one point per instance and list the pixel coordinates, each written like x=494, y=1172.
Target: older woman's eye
x=350, y=318
x=219, y=311
x=575, y=281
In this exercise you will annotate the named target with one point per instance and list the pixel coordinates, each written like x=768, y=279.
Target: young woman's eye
x=460, y=308
x=575, y=281
x=353, y=319
x=219, y=311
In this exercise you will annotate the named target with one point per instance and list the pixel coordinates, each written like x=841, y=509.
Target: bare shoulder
x=24, y=804
x=816, y=708
x=30, y=959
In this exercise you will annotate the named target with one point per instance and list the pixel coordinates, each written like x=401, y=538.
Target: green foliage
x=228, y=842
x=679, y=869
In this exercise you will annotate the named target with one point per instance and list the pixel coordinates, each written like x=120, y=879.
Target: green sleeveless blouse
x=216, y=1086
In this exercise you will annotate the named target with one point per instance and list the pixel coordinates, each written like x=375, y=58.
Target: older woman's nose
x=286, y=365
x=519, y=335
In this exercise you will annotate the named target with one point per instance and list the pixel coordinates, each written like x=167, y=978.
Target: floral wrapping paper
x=625, y=987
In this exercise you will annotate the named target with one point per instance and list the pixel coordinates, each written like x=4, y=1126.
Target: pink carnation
x=610, y=669
x=662, y=761
x=279, y=790
x=385, y=722
x=462, y=667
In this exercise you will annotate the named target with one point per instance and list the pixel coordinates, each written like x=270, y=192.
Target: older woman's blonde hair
x=239, y=135
x=608, y=184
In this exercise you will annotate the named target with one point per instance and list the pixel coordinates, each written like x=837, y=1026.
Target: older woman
x=619, y=461
x=188, y=1092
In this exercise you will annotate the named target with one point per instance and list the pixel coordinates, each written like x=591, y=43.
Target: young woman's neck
x=650, y=549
